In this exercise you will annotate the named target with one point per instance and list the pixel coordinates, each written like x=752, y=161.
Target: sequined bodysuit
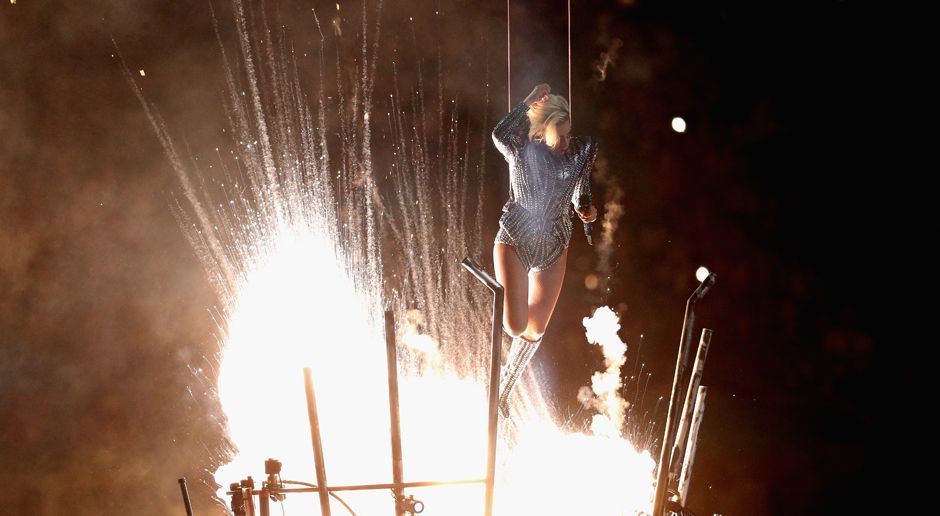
x=543, y=185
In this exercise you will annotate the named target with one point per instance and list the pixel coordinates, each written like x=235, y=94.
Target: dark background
x=787, y=184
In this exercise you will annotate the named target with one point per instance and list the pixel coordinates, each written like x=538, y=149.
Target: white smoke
x=604, y=394
x=607, y=59
x=613, y=211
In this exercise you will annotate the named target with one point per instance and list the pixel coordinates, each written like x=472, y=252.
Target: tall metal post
x=495, y=360
x=688, y=323
x=682, y=435
x=317, y=444
x=393, y=408
x=685, y=477
x=185, y=492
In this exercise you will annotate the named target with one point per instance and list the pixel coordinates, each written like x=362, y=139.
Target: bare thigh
x=544, y=288
x=515, y=281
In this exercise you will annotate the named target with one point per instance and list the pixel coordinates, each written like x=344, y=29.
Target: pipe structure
x=185, y=492
x=374, y=487
x=317, y=444
x=669, y=433
x=682, y=436
x=393, y=407
x=685, y=477
x=264, y=502
x=495, y=359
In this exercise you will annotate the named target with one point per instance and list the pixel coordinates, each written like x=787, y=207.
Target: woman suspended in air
x=549, y=175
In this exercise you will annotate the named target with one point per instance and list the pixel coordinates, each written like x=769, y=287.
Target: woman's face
x=563, y=137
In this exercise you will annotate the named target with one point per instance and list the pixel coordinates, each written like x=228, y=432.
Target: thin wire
x=570, y=99
x=508, y=62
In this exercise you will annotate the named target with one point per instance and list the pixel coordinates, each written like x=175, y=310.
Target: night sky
x=785, y=184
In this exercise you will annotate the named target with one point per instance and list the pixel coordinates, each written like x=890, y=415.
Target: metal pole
x=392, y=356
x=264, y=502
x=185, y=492
x=686, y=476
x=238, y=499
x=682, y=435
x=508, y=60
x=495, y=359
x=248, y=487
x=570, y=97
x=317, y=445
x=659, y=502
x=374, y=487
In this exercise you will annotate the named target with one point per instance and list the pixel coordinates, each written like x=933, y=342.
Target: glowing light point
x=143, y=73
x=702, y=273
x=591, y=281
x=678, y=125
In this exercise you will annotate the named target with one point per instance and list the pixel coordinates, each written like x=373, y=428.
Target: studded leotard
x=543, y=186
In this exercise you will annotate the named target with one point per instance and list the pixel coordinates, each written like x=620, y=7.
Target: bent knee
x=514, y=330
x=534, y=331
x=515, y=319
x=514, y=326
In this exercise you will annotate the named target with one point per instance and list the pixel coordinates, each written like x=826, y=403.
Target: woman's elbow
x=501, y=146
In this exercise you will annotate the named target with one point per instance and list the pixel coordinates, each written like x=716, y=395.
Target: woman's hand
x=588, y=214
x=538, y=94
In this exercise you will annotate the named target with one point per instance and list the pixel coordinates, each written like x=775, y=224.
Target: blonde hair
x=544, y=118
